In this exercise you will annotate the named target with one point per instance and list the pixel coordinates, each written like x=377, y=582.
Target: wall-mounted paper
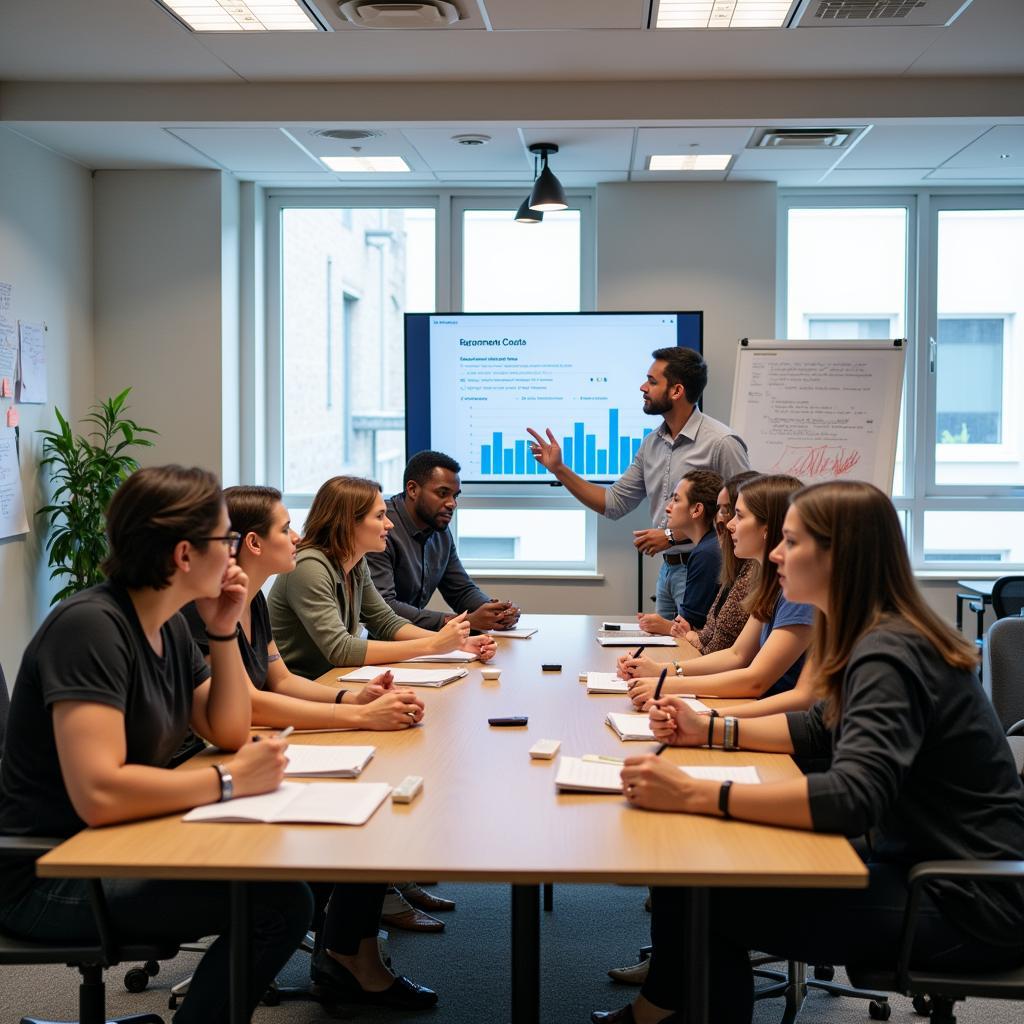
x=12, y=501
x=5, y=302
x=32, y=363
x=8, y=352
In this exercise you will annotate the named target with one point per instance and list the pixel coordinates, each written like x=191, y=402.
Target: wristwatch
x=227, y=783
x=669, y=535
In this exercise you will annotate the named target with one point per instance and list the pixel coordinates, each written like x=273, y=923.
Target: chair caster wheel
x=136, y=979
x=152, y=968
x=922, y=1006
x=879, y=1010
x=172, y=1002
x=824, y=973
x=271, y=997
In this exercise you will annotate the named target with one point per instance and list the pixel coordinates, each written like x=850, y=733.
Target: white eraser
x=544, y=750
x=491, y=673
x=407, y=790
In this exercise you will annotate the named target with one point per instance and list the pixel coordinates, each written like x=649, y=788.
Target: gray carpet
x=592, y=928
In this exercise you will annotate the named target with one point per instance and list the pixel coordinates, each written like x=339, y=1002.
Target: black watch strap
x=723, y=798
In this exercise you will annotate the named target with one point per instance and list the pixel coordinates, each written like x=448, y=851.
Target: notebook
x=606, y=682
x=599, y=777
x=623, y=627
x=635, y=640
x=327, y=762
x=407, y=676
x=520, y=633
x=318, y=803
x=452, y=657
x=630, y=727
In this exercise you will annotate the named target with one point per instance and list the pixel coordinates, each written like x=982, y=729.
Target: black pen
x=638, y=651
x=661, y=749
x=661, y=682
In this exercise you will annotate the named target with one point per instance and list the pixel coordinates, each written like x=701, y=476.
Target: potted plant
x=85, y=472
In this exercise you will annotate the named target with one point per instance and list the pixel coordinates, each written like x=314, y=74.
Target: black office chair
x=1008, y=596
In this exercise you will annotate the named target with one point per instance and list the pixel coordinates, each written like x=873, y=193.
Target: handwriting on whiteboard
x=812, y=462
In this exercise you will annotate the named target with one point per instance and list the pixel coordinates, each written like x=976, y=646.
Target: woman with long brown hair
x=767, y=656
x=318, y=609
x=915, y=755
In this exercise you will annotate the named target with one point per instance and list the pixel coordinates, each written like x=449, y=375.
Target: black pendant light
x=524, y=215
x=547, y=193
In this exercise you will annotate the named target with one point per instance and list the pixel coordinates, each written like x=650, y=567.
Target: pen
x=286, y=732
x=602, y=759
x=661, y=748
x=612, y=627
x=661, y=682
x=638, y=651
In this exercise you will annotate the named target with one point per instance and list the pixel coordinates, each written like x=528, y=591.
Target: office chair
x=1008, y=596
x=1004, y=668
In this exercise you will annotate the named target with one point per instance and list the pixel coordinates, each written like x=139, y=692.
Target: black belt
x=677, y=559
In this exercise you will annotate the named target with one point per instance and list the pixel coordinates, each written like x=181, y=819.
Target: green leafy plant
x=85, y=471
x=961, y=437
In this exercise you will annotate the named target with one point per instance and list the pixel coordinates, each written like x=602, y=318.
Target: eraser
x=544, y=750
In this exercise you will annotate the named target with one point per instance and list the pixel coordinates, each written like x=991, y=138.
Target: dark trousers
x=346, y=914
x=175, y=912
x=818, y=926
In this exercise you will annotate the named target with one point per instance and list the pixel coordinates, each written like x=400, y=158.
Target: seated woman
x=917, y=756
x=726, y=616
x=106, y=692
x=769, y=652
x=316, y=611
x=690, y=515
x=347, y=960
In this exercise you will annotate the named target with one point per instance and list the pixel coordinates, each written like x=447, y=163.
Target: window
x=950, y=264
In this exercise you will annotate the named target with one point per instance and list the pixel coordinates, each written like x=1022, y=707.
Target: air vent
x=803, y=138
x=849, y=13
x=347, y=134
x=398, y=14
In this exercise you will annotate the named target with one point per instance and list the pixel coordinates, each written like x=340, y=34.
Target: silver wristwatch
x=227, y=783
x=669, y=535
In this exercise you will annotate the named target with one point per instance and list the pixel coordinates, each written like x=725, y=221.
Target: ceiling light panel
x=688, y=161
x=367, y=164
x=723, y=13
x=243, y=15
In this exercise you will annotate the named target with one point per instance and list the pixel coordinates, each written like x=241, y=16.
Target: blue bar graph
x=580, y=452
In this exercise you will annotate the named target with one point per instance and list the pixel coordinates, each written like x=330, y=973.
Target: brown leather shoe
x=427, y=900
x=412, y=920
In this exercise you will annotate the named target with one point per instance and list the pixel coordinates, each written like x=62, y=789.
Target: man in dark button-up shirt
x=420, y=556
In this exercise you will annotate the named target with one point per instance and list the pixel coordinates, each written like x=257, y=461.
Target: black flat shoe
x=340, y=985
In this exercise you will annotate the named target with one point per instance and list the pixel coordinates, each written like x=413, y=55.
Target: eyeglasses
x=233, y=541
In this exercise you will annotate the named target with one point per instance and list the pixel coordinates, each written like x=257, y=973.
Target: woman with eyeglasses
x=347, y=962
x=767, y=656
x=107, y=689
x=915, y=756
x=317, y=610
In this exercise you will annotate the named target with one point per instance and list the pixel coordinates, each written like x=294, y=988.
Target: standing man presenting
x=686, y=440
x=420, y=555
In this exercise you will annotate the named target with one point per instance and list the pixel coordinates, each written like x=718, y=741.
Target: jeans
x=818, y=926
x=148, y=911
x=670, y=589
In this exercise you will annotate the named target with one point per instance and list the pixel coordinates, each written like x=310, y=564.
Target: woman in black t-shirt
x=916, y=756
x=347, y=960
x=107, y=690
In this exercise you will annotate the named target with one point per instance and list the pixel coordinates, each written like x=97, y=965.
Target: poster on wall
x=8, y=359
x=13, y=521
x=32, y=363
x=5, y=302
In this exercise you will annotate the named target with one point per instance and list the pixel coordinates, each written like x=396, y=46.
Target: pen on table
x=661, y=748
x=283, y=734
x=661, y=683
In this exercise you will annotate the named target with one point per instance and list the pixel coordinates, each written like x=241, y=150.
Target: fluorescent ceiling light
x=689, y=162
x=366, y=164
x=243, y=15
x=723, y=13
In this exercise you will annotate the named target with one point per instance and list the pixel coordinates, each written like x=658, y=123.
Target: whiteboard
x=820, y=410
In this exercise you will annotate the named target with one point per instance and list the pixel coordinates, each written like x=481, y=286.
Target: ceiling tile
x=788, y=159
x=580, y=149
x=999, y=149
x=854, y=177
x=503, y=153
x=565, y=14
x=248, y=149
x=910, y=145
x=978, y=176
x=787, y=178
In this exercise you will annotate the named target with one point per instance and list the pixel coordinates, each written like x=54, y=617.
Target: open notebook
x=606, y=682
x=316, y=803
x=630, y=727
x=635, y=640
x=519, y=633
x=327, y=762
x=452, y=657
x=599, y=777
x=407, y=676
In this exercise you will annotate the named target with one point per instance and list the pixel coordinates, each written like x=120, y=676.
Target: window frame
x=921, y=493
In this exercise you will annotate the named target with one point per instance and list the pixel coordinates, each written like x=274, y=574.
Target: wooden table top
x=487, y=812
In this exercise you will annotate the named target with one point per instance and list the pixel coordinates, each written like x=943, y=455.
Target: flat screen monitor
x=475, y=381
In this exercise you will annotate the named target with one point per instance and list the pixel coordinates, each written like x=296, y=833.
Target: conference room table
x=488, y=813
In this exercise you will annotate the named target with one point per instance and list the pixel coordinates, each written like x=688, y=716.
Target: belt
x=677, y=559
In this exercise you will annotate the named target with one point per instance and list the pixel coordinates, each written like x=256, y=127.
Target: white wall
x=166, y=264
x=46, y=232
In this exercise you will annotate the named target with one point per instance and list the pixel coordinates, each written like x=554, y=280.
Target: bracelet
x=678, y=665
x=225, y=638
x=339, y=696
x=731, y=738
x=723, y=798
x=227, y=783
x=711, y=731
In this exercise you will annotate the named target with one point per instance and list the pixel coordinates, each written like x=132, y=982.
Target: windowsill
x=582, y=576
x=952, y=575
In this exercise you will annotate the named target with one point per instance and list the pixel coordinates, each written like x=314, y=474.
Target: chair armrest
x=961, y=870
x=20, y=847
x=1017, y=729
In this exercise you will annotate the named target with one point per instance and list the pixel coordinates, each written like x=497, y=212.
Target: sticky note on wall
x=12, y=417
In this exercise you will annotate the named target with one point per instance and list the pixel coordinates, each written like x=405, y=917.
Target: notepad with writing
x=606, y=682
x=630, y=727
x=298, y=803
x=599, y=777
x=635, y=640
x=327, y=762
x=407, y=676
